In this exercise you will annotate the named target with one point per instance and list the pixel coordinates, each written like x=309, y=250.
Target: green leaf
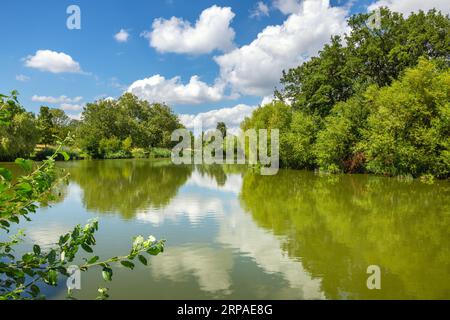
x=93, y=260
x=65, y=155
x=63, y=239
x=51, y=256
x=36, y=249
x=87, y=248
x=26, y=165
x=143, y=260
x=128, y=264
x=35, y=290
x=52, y=278
x=27, y=257
x=6, y=174
x=107, y=274
x=155, y=250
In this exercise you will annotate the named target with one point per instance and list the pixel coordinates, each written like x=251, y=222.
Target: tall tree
x=45, y=124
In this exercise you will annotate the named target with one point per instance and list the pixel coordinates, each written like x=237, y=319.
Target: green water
x=233, y=234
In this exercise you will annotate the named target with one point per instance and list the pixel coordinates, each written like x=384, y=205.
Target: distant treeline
x=122, y=128
x=376, y=100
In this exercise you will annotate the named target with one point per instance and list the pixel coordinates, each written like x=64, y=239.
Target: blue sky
x=236, y=51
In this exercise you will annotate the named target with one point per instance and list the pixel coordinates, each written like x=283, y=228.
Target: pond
x=234, y=234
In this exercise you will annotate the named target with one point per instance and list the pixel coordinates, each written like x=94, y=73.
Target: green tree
x=315, y=86
x=409, y=132
x=336, y=146
x=45, y=125
x=297, y=143
x=18, y=131
x=126, y=118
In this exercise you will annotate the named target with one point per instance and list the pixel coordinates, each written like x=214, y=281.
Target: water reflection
x=238, y=235
x=339, y=225
x=127, y=186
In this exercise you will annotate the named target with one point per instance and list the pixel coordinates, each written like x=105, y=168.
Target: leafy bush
x=160, y=153
x=409, y=130
x=336, y=145
x=121, y=154
x=139, y=153
x=297, y=144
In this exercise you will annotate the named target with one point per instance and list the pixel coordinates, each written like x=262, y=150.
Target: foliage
x=160, y=153
x=115, y=127
x=315, y=86
x=139, y=153
x=409, y=131
x=54, y=124
x=336, y=145
x=297, y=144
x=275, y=115
x=18, y=131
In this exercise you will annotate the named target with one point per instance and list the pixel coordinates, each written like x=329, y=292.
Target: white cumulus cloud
x=52, y=61
x=255, y=69
x=55, y=100
x=122, y=36
x=287, y=6
x=211, y=32
x=173, y=91
x=231, y=116
x=408, y=6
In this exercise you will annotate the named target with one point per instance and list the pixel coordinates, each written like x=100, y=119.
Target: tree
x=336, y=145
x=54, y=124
x=409, y=130
x=315, y=86
x=18, y=130
x=46, y=127
x=126, y=118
